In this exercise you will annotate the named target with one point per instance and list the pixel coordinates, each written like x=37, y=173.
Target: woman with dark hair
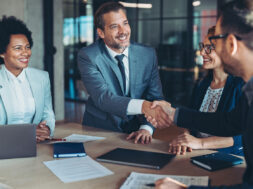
x=25, y=95
x=218, y=91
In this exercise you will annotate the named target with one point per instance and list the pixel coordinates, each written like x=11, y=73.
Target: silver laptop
x=17, y=141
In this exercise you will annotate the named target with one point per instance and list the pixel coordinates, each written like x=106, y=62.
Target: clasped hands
x=42, y=132
x=159, y=113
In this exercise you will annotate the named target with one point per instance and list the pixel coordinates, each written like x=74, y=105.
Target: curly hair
x=11, y=26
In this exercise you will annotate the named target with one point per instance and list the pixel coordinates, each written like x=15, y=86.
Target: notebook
x=68, y=149
x=138, y=158
x=216, y=161
x=17, y=141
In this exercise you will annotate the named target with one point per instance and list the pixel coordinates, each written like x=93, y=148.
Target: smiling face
x=17, y=54
x=116, y=32
x=212, y=60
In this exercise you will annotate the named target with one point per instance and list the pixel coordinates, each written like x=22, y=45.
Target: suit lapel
x=108, y=59
x=4, y=91
x=225, y=94
x=36, y=89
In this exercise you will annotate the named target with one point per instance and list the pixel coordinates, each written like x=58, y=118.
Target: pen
x=58, y=139
x=151, y=185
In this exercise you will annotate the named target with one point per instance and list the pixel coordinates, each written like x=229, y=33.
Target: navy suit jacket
x=238, y=121
x=230, y=96
x=107, y=105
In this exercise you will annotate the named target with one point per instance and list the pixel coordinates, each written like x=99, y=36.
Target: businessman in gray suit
x=121, y=77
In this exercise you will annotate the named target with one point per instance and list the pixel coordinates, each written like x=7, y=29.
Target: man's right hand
x=164, y=116
x=156, y=113
x=146, y=108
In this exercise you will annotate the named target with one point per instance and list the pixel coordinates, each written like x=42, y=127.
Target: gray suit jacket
x=107, y=106
x=40, y=86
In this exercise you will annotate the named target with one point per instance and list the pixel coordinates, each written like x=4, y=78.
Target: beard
x=230, y=70
x=117, y=45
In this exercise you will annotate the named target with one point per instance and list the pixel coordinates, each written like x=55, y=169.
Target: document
x=82, y=138
x=139, y=180
x=77, y=169
x=76, y=138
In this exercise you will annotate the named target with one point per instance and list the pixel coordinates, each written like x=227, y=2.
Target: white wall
x=12, y=7
x=58, y=60
x=33, y=17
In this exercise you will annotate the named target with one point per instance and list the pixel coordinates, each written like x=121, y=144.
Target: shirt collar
x=21, y=77
x=112, y=53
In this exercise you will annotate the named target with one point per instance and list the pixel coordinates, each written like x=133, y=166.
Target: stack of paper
x=77, y=169
x=139, y=180
x=82, y=138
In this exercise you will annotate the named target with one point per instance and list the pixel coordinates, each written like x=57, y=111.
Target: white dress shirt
x=135, y=105
x=21, y=98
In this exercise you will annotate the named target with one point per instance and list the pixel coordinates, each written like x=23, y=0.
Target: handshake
x=159, y=113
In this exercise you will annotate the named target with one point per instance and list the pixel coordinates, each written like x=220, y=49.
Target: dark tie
x=122, y=69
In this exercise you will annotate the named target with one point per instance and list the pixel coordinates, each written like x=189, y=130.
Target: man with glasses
x=234, y=43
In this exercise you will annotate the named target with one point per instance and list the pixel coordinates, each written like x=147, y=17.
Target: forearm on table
x=216, y=142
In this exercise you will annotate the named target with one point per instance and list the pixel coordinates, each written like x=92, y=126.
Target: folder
x=216, y=161
x=137, y=158
x=68, y=149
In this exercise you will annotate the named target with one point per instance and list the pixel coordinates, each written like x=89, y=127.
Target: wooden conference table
x=32, y=173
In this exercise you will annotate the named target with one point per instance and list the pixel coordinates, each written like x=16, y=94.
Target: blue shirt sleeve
x=236, y=149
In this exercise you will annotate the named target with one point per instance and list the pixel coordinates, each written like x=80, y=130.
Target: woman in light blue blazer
x=25, y=95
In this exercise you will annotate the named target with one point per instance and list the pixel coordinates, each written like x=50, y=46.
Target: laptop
x=152, y=160
x=17, y=141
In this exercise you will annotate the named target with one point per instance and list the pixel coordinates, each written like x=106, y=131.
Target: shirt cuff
x=176, y=116
x=148, y=128
x=134, y=107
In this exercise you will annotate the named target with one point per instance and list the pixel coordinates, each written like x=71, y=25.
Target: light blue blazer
x=40, y=86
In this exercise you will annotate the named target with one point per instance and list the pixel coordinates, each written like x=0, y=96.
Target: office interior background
x=61, y=27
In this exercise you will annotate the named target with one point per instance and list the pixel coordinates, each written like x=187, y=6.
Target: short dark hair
x=237, y=18
x=106, y=8
x=211, y=31
x=11, y=26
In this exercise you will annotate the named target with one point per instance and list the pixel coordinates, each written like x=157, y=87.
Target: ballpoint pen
x=58, y=139
x=150, y=185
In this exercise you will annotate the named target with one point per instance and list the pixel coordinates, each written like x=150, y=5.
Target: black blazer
x=230, y=96
x=237, y=122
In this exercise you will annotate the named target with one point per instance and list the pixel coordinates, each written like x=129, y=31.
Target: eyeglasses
x=208, y=48
x=213, y=39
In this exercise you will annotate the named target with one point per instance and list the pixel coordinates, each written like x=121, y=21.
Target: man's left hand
x=143, y=136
